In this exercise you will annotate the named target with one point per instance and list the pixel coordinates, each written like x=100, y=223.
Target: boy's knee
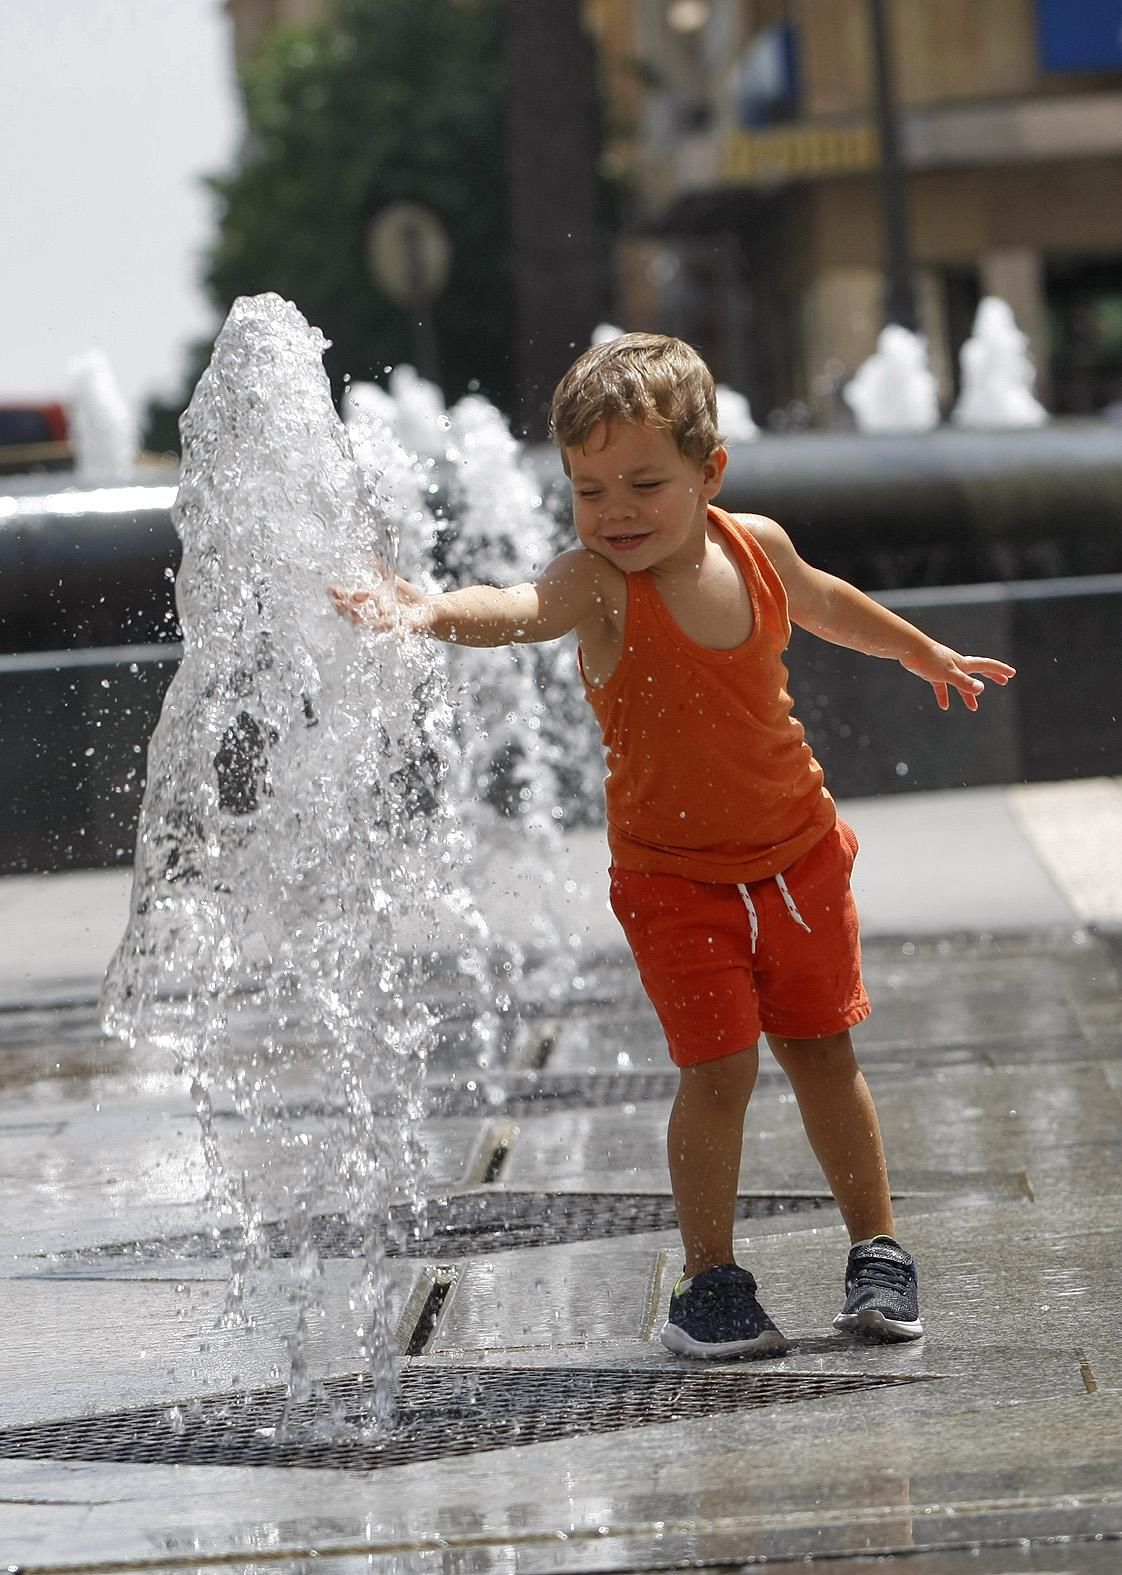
x=832, y=1056
x=724, y=1079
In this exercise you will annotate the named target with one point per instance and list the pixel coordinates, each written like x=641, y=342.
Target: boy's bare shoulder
x=771, y=536
x=593, y=574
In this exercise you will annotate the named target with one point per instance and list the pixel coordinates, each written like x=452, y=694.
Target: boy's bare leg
x=704, y=1142
x=841, y=1123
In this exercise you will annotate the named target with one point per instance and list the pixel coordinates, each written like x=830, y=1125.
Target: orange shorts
x=722, y=962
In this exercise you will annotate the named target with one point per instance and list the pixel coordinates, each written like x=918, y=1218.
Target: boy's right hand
x=382, y=607
x=576, y=589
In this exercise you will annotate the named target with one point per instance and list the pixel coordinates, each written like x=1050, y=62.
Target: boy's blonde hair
x=649, y=379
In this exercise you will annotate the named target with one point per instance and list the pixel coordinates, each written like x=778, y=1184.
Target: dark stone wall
x=80, y=581
x=74, y=728
x=877, y=729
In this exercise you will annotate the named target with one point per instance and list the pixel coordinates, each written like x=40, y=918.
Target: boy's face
x=637, y=500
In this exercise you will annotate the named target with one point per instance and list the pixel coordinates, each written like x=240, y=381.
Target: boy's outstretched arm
x=835, y=610
x=569, y=592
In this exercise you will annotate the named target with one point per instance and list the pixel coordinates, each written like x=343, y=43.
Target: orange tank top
x=709, y=774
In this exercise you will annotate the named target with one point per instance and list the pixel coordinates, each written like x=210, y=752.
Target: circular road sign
x=408, y=253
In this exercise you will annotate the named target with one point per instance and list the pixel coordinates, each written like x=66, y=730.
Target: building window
x=767, y=88
x=1084, y=299
x=1079, y=35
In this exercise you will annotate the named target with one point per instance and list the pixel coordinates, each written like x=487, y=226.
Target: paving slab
x=994, y=1445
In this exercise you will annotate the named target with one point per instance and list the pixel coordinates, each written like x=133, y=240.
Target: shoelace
x=870, y=1268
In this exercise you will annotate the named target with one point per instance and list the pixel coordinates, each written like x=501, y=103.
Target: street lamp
x=899, y=297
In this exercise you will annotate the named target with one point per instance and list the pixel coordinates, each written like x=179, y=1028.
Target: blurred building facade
x=745, y=136
x=745, y=131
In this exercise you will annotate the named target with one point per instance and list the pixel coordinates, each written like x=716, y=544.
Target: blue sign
x=769, y=76
x=1080, y=35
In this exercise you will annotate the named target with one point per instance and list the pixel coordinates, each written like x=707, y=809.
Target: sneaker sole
x=872, y=1322
x=769, y=1343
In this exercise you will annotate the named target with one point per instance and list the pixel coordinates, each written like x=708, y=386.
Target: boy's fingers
x=999, y=672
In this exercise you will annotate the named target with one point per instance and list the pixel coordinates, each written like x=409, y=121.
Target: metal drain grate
x=529, y=1096
x=522, y=1094
x=441, y=1413
x=467, y=1225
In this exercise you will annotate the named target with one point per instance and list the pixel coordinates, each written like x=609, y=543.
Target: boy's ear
x=713, y=470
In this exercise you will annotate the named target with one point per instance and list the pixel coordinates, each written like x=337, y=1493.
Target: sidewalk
x=544, y=1430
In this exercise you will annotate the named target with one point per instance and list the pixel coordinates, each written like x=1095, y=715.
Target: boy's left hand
x=945, y=670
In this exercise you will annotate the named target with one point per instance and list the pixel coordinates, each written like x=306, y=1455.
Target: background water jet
x=998, y=374
x=102, y=430
x=895, y=390
x=527, y=756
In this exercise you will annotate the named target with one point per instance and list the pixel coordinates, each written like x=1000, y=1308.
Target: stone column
x=842, y=315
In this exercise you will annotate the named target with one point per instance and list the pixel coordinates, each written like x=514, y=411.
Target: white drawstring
x=789, y=903
x=753, y=917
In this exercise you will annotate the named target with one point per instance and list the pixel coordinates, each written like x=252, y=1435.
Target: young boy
x=730, y=867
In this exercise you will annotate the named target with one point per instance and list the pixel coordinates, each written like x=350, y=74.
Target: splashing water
x=997, y=373
x=734, y=416
x=421, y=417
x=510, y=698
x=103, y=431
x=895, y=389
x=284, y=893
x=402, y=483
x=529, y=756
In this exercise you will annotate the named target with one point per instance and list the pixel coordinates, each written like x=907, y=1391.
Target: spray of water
x=502, y=535
x=297, y=854
x=997, y=373
x=895, y=389
x=101, y=426
x=528, y=758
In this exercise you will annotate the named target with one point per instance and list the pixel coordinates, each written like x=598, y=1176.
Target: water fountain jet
x=997, y=374
x=895, y=390
x=102, y=430
x=296, y=852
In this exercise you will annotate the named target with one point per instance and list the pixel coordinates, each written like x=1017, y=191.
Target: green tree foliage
x=389, y=99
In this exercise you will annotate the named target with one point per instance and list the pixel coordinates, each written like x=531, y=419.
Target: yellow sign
x=767, y=158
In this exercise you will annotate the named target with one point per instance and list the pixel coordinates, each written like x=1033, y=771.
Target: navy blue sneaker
x=716, y=1314
x=881, y=1291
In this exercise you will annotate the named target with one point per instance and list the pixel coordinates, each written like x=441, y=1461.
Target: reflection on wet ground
x=997, y=1068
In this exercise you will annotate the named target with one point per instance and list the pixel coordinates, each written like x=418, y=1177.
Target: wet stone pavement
x=542, y=1426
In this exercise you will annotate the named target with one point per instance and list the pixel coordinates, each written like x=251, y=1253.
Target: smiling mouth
x=624, y=542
